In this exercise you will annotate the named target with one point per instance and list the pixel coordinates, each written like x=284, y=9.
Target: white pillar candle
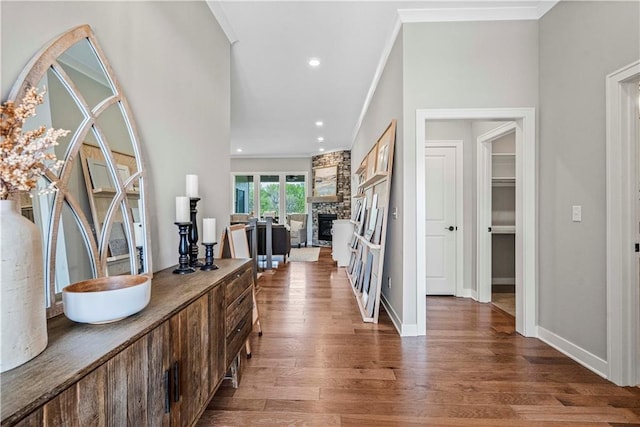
x=192, y=185
x=209, y=230
x=137, y=234
x=182, y=209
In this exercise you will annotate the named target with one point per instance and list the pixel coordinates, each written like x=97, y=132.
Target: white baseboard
x=580, y=355
x=395, y=319
x=468, y=293
x=403, y=329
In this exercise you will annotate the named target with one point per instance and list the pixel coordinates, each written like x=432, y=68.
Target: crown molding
x=221, y=17
x=511, y=11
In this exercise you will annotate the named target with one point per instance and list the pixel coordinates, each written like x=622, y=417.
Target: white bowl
x=106, y=299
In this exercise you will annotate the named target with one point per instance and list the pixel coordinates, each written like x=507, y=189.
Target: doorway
x=526, y=217
x=623, y=216
x=443, y=211
x=496, y=217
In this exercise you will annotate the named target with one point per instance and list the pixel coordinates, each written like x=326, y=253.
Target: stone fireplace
x=325, y=225
x=336, y=210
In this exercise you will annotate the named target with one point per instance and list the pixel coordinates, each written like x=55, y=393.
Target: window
x=270, y=194
x=257, y=194
x=295, y=194
x=243, y=194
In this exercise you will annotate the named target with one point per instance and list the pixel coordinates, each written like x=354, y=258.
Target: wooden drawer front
x=238, y=309
x=237, y=284
x=238, y=336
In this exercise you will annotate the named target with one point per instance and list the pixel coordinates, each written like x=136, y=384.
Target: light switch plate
x=576, y=213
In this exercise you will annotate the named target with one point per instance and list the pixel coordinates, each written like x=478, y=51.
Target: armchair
x=298, y=228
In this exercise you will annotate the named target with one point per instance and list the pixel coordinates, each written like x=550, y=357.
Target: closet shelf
x=503, y=181
x=503, y=229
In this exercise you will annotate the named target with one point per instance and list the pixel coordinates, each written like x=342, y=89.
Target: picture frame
x=382, y=164
x=124, y=173
x=117, y=240
x=325, y=181
x=100, y=176
x=371, y=161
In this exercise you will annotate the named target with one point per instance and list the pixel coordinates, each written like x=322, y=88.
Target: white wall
x=386, y=105
x=459, y=65
x=172, y=60
x=580, y=43
x=272, y=164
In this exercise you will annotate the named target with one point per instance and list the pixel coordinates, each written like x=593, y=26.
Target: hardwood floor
x=317, y=364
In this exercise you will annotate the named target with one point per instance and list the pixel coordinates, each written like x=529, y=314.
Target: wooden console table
x=158, y=367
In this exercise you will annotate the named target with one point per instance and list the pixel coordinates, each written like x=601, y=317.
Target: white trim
x=404, y=330
x=469, y=293
x=546, y=6
x=409, y=330
x=483, y=208
x=458, y=144
x=280, y=156
x=580, y=355
x=218, y=13
x=526, y=195
x=461, y=14
x=395, y=319
x=447, y=14
x=623, y=313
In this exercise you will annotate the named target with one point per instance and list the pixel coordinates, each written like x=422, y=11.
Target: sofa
x=297, y=223
x=281, y=241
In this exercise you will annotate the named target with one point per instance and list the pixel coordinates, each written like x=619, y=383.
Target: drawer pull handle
x=241, y=325
x=176, y=382
x=167, y=394
x=242, y=300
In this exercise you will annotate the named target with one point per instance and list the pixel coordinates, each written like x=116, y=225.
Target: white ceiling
x=276, y=97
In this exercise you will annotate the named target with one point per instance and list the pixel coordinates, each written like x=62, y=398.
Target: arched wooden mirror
x=96, y=223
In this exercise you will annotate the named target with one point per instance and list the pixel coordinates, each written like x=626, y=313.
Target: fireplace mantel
x=325, y=199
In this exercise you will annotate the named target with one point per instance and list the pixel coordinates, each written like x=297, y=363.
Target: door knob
x=450, y=228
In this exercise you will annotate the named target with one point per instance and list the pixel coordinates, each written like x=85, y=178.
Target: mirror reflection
x=73, y=257
x=86, y=73
x=95, y=224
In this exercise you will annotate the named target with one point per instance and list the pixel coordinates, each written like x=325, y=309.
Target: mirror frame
x=31, y=76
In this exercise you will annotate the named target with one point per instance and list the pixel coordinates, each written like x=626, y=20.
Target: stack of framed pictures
x=369, y=216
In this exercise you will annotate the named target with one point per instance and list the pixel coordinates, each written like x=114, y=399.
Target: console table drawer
x=238, y=336
x=238, y=284
x=238, y=310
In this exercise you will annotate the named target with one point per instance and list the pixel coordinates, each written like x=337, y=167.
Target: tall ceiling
x=277, y=97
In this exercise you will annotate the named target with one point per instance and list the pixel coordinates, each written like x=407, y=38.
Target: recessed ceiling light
x=314, y=62
x=239, y=150
x=322, y=149
x=319, y=124
x=321, y=139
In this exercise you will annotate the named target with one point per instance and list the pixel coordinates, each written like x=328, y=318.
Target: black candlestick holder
x=183, y=250
x=140, y=259
x=208, y=257
x=193, y=234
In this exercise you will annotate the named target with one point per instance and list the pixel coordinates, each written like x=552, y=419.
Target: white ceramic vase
x=22, y=293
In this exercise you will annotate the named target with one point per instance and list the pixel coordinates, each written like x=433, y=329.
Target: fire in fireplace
x=325, y=224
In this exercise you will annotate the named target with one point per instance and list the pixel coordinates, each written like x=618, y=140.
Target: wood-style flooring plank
x=317, y=364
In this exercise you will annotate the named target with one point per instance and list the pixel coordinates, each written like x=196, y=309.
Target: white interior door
x=441, y=227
